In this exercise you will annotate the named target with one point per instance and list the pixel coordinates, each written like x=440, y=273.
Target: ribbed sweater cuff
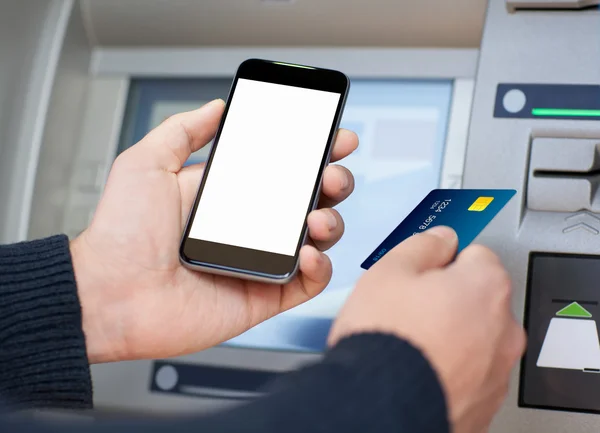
x=368, y=382
x=43, y=361
x=397, y=383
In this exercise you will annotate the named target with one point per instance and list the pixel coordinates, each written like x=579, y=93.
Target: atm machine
x=535, y=128
x=517, y=108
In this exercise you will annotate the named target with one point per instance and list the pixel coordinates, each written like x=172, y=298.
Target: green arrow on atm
x=574, y=310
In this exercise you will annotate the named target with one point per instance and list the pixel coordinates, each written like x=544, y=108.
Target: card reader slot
x=591, y=175
x=558, y=9
x=564, y=175
x=551, y=5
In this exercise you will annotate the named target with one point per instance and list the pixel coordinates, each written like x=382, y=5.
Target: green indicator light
x=566, y=112
x=292, y=65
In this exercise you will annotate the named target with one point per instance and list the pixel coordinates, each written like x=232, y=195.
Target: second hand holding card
x=467, y=211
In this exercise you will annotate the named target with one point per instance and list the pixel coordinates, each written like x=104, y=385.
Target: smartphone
x=263, y=175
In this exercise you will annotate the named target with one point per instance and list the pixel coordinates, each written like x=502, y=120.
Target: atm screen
x=402, y=127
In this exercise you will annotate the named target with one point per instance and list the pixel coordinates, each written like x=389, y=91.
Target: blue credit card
x=467, y=211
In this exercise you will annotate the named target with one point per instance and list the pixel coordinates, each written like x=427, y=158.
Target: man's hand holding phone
x=138, y=301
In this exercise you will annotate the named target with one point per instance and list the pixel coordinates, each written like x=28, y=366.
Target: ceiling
x=358, y=23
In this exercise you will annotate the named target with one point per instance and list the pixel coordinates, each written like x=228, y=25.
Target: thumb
x=169, y=145
x=431, y=249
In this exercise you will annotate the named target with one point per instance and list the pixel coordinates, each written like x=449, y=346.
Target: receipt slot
x=561, y=368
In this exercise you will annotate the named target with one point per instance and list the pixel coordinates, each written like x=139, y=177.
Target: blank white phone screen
x=265, y=167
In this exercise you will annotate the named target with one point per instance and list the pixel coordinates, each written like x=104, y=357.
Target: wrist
x=44, y=356
x=395, y=373
x=91, y=286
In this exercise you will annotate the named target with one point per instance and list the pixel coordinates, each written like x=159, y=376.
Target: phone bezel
x=245, y=262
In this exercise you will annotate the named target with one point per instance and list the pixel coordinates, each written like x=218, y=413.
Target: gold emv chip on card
x=480, y=204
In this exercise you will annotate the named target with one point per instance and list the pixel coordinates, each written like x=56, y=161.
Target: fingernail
x=444, y=232
x=320, y=258
x=331, y=221
x=345, y=179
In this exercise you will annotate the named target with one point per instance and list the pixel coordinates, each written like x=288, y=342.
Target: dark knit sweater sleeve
x=369, y=383
x=43, y=360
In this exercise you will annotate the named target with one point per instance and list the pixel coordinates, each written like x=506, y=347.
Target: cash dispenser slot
x=564, y=175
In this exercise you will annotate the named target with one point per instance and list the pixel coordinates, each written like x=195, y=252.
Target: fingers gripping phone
x=263, y=175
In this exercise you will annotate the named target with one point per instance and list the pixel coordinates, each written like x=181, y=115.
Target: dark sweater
x=367, y=383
